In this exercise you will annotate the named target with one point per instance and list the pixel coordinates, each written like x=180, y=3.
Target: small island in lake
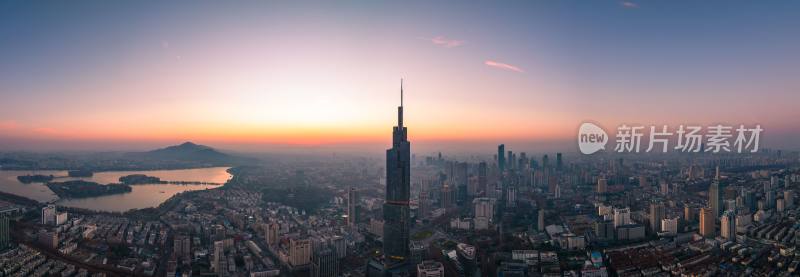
x=83, y=189
x=139, y=179
x=80, y=173
x=27, y=179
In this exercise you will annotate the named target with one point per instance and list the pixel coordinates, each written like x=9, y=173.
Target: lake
x=142, y=196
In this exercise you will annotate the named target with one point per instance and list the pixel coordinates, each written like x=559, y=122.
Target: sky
x=260, y=75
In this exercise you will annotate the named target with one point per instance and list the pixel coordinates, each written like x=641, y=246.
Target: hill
x=189, y=152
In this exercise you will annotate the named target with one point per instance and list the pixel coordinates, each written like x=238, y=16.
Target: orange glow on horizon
x=293, y=135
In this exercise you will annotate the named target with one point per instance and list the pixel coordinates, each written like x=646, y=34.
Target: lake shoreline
x=142, y=196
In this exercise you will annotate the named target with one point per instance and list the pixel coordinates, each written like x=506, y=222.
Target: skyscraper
x=324, y=263
x=727, y=225
x=622, y=217
x=396, y=209
x=424, y=204
x=482, y=177
x=559, y=162
x=461, y=177
x=540, y=220
x=510, y=160
x=352, y=206
x=545, y=161
x=501, y=157
x=669, y=226
x=448, y=197
x=49, y=215
x=219, y=253
x=656, y=215
x=689, y=213
x=5, y=236
x=299, y=252
x=272, y=234
x=707, y=228
x=714, y=197
x=484, y=207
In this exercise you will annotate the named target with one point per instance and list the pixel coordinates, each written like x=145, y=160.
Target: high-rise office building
x=424, y=204
x=352, y=206
x=461, y=178
x=61, y=218
x=510, y=160
x=472, y=186
x=396, y=208
x=749, y=200
x=559, y=162
x=339, y=246
x=769, y=198
x=501, y=157
x=545, y=161
x=49, y=215
x=324, y=263
x=299, y=252
x=484, y=207
x=788, y=198
x=511, y=197
x=689, y=213
x=271, y=235
x=622, y=217
x=540, y=220
x=707, y=222
x=482, y=177
x=5, y=232
x=656, y=215
x=669, y=226
x=219, y=258
x=714, y=199
x=182, y=246
x=604, y=230
x=728, y=225
x=448, y=197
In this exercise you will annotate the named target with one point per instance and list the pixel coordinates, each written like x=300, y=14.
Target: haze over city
x=262, y=76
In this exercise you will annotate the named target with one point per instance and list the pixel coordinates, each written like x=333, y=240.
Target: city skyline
x=252, y=138
x=301, y=76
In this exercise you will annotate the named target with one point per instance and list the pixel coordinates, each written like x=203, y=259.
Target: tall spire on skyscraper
x=400, y=109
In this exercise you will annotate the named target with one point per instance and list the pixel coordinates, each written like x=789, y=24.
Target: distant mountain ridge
x=188, y=151
x=181, y=156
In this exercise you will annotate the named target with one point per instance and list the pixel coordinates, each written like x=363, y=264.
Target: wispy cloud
x=629, y=5
x=445, y=41
x=503, y=66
